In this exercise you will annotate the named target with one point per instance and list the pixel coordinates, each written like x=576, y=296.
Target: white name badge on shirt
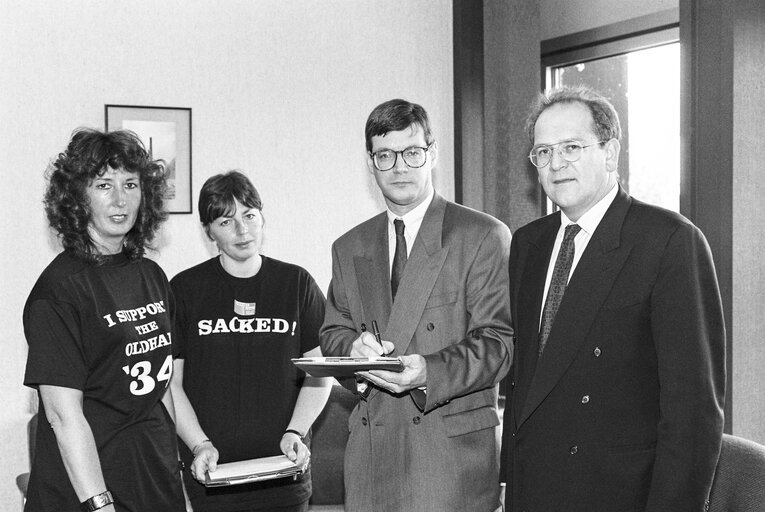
x=244, y=308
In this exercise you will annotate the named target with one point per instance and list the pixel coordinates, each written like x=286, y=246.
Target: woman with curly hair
x=98, y=325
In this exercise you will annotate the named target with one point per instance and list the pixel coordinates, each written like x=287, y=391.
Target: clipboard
x=253, y=470
x=346, y=366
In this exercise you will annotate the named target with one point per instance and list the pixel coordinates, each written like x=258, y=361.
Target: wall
x=563, y=17
x=748, y=329
x=280, y=89
x=512, y=81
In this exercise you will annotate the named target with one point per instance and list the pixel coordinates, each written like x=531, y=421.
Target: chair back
x=330, y=434
x=739, y=483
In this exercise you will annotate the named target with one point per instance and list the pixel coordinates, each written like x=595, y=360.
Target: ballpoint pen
x=376, y=332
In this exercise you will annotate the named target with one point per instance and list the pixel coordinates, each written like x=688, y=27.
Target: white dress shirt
x=588, y=222
x=412, y=222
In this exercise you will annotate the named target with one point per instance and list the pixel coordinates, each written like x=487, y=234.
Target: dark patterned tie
x=558, y=283
x=399, y=258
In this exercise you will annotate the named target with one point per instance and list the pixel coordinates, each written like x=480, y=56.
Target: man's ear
x=613, y=147
x=207, y=232
x=371, y=165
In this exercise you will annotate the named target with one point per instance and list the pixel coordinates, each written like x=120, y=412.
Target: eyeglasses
x=414, y=157
x=569, y=150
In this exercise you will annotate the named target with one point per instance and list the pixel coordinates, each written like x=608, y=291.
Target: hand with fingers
x=413, y=376
x=366, y=345
x=205, y=459
x=293, y=447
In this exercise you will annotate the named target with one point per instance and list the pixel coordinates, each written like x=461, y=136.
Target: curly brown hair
x=88, y=155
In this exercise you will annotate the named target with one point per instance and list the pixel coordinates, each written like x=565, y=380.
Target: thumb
x=292, y=452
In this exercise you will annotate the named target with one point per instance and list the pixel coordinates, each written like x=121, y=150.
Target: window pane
x=644, y=86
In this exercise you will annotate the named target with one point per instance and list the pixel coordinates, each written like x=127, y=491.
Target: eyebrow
x=104, y=176
x=580, y=141
x=403, y=149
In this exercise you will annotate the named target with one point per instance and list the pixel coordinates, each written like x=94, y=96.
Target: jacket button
x=416, y=420
x=597, y=352
x=430, y=326
x=586, y=399
x=363, y=421
x=574, y=449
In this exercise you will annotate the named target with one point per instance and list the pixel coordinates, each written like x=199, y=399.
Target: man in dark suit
x=424, y=439
x=616, y=397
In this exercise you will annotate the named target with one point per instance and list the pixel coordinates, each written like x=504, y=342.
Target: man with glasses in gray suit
x=433, y=275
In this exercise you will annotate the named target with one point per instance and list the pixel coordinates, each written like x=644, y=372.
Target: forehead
x=231, y=206
x=400, y=139
x=112, y=173
x=564, y=121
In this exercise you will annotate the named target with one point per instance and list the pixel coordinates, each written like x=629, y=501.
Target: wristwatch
x=97, y=502
x=293, y=431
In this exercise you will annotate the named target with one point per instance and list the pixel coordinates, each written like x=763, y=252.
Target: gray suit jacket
x=451, y=307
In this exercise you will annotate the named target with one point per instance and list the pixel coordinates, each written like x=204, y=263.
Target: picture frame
x=166, y=134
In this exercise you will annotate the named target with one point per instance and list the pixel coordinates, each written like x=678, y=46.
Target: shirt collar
x=590, y=220
x=414, y=216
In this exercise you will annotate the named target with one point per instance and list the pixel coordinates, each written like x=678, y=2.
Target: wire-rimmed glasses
x=569, y=150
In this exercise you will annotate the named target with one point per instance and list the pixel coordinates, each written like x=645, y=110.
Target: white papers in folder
x=253, y=470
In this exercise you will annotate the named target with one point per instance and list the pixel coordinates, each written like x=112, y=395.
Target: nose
x=400, y=164
x=120, y=196
x=241, y=228
x=556, y=160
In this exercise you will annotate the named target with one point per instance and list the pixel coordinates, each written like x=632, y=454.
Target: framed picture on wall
x=166, y=134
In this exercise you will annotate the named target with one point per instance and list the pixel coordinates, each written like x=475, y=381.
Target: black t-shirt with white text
x=237, y=336
x=105, y=330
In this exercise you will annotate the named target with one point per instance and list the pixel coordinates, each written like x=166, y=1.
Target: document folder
x=253, y=470
x=346, y=366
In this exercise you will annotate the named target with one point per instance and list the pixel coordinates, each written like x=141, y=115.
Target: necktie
x=558, y=283
x=399, y=258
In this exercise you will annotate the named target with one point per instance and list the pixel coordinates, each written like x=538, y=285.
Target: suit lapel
x=372, y=274
x=420, y=274
x=587, y=289
x=529, y=300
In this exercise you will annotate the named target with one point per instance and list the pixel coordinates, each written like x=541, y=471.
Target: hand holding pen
x=414, y=374
x=370, y=344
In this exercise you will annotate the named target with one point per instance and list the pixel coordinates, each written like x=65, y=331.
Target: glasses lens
x=414, y=157
x=540, y=156
x=571, y=151
x=385, y=159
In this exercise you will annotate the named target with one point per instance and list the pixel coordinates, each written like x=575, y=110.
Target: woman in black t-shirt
x=240, y=318
x=98, y=324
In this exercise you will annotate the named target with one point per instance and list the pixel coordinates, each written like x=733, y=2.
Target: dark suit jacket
x=623, y=411
x=452, y=307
